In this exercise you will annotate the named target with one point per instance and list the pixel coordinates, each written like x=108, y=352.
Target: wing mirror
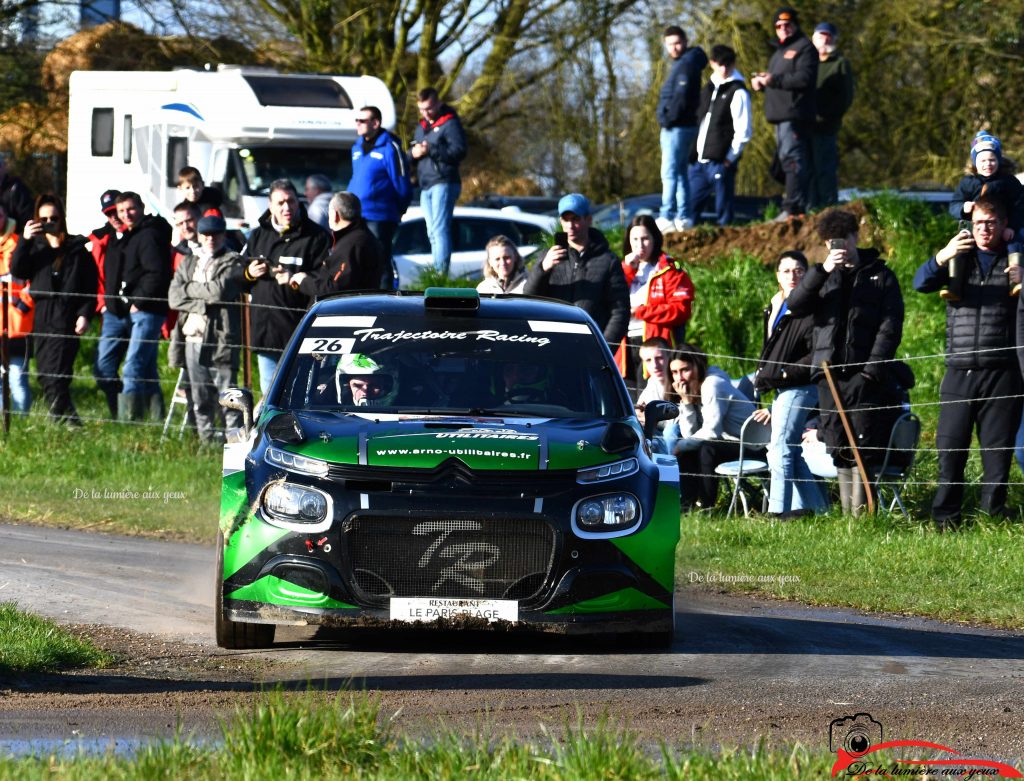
x=655, y=412
x=239, y=399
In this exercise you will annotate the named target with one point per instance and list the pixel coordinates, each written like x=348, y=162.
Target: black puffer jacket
x=62, y=291
x=786, y=355
x=858, y=315
x=593, y=281
x=355, y=263
x=277, y=308
x=794, y=69
x=145, y=259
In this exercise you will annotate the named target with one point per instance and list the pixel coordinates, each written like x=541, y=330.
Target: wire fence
x=753, y=361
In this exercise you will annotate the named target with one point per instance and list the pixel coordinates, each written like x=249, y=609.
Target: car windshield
x=452, y=365
x=264, y=164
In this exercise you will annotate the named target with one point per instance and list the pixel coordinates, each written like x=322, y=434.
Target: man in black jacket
x=982, y=385
x=137, y=288
x=677, y=115
x=284, y=243
x=857, y=306
x=585, y=272
x=789, y=86
x=357, y=261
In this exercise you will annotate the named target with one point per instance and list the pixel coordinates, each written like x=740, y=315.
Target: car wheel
x=236, y=634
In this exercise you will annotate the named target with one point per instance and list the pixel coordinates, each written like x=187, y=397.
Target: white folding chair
x=753, y=436
x=177, y=398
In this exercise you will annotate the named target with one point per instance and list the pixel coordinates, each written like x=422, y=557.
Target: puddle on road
x=69, y=748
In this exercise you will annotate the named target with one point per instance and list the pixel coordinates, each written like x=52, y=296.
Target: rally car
x=446, y=460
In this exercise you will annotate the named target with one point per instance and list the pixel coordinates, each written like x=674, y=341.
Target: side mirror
x=655, y=412
x=239, y=399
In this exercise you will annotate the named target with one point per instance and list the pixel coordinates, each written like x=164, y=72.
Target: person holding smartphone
x=581, y=269
x=63, y=279
x=982, y=384
x=857, y=306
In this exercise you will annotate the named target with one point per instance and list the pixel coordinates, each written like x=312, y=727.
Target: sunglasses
x=363, y=120
x=49, y=219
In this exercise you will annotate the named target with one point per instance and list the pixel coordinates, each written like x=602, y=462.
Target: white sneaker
x=664, y=225
x=684, y=225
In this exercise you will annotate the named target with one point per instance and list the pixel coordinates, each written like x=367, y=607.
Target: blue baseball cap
x=827, y=27
x=575, y=203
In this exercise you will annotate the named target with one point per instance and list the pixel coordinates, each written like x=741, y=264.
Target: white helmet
x=356, y=366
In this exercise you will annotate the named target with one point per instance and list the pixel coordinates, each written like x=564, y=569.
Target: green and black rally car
x=449, y=460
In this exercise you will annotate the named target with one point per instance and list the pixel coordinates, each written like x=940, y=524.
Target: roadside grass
x=868, y=563
x=34, y=644
x=347, y=736
x=110, y=477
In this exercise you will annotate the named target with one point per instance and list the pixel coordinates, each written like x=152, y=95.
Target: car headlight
x=297, y=507
x=296, y=463
x=613, y=471
x=611, y=513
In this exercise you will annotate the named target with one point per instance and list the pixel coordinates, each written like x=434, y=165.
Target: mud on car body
x=442, y=458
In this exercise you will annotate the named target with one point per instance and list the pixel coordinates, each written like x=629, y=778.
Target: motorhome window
x=177, y=158
x=264, y=164
x=298, y=92
x=127, y=136
x=103, y=132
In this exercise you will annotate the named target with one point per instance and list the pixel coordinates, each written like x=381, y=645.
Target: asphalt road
x=741, y=668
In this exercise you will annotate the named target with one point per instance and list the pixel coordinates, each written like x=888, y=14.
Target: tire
x=236, y=635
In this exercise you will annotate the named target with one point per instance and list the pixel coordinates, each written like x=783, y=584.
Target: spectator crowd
x=826, y=376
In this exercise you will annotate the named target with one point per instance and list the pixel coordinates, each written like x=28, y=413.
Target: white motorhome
x=241, y=128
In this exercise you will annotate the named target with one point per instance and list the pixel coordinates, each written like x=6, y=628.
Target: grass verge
x=110, y=477
x=869, y=563
x=34, y=644
x=345, y=736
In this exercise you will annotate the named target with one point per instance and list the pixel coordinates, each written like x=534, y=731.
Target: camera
x=50, y=227
x=854, y=734
x=835, y=244
x=965, y=225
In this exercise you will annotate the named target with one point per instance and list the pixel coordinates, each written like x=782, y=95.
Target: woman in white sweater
x=711, y=413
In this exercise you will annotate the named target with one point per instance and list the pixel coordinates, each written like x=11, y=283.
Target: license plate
x=429, y=609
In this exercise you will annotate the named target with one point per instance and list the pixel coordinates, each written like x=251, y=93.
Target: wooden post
x=850, y=437
x=246, y=344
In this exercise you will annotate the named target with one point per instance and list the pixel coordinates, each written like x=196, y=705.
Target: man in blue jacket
x=677, y=115
x=380, y=180
x=789, y=103
x=439, y=145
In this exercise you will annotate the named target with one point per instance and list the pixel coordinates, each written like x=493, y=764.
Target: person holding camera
x=982, y=384
x=62, y=277
x=857, y=306
x=580, y=268
x=284, y=243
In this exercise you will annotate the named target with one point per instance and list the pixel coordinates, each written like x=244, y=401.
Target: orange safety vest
x=20, y=307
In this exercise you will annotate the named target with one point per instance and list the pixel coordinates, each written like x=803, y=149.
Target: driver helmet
x=382, y=385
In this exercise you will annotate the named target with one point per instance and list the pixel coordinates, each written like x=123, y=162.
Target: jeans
x=438, y=203
x=113, y=344
x=384, y=230
x=267, y=365
x=17, y=380
x=793, y=487
x=708, y=178
x=675, y=187
x=1018, y=445
x=793, y=141
x=824, y=186
x=140, y=370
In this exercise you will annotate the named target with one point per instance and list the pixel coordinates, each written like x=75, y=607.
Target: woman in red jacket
x=660, y=292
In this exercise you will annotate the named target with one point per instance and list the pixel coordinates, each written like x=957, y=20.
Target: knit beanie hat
x=985, y=142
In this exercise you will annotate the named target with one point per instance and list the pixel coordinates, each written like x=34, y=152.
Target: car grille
x=462, y=558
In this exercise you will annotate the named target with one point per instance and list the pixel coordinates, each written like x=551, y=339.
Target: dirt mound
x=766, y=240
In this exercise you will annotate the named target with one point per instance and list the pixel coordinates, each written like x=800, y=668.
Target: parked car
x=472, y=228
x=748, y=208
x=446, y=460
x=535, y=204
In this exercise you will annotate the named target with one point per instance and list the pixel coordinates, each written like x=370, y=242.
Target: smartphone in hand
x=562, y=240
